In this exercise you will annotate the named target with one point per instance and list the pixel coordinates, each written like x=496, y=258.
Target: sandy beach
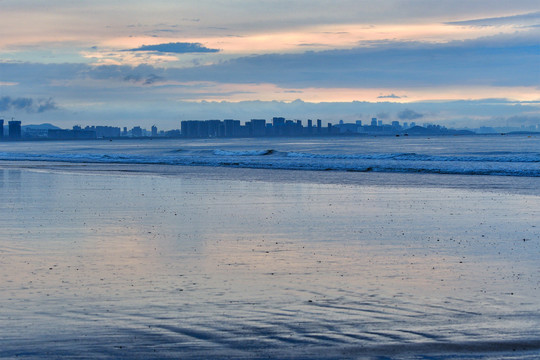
x=290, y=180
x=119, y=264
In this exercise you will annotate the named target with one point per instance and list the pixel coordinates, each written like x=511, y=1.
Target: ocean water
x=105, y=254
x=462, y=155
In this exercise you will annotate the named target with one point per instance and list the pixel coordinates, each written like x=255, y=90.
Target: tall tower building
x=15, y=129
x=1, y=128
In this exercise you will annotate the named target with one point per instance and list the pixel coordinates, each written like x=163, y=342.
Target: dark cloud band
x=176, y=48
x=27, y=104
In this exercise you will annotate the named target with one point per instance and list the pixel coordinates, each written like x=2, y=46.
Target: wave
x=522, y=157
x=244, y=152
x=267, y=159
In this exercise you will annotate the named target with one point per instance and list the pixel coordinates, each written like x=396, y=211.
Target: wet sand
x=123, y=263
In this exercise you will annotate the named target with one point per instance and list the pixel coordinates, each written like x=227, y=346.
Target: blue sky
x=127, y=63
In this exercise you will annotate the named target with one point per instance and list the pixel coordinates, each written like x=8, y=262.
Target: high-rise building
x=15, y=129
x=136, y=131
x=373, y=121
x=258, y=127
x=1, y=128
x=232, y=127
x=105, y=132
x=278, y=124
x=154, y=130
x=278, y=121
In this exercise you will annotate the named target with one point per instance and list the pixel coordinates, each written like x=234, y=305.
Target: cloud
x=149, y=79
x=46, y=105
x=104, y=105
x=532, y=18
x=27, y=104
x=22, y=103
x=501, y=61
x=132, y=77
x=506, y=60
x=142, y=74
x=408, y=114
x=390, y=96
x=176, y=48
x=7, y=103
x=523, y=120
x=382, y=115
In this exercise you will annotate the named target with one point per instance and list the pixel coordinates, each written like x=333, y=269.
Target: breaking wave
x=532, y=157
x=244, y=153
x=511, y=164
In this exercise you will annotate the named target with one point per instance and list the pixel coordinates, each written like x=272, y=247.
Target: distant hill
x=45, y=126
x=523, y=133
x=420, y=130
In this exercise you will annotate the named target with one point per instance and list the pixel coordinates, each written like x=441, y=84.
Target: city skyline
x=120, y=64
x=231, y=128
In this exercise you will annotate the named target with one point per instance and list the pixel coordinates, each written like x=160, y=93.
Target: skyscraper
x=136, y=131
x=15, y=129
x=1, y=128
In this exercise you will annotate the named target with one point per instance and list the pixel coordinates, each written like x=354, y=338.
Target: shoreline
x=403, y=133
x=490, y=183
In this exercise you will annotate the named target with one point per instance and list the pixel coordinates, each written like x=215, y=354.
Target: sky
x=138, y=63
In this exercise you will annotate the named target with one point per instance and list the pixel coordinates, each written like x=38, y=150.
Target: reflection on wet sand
x=117, y=265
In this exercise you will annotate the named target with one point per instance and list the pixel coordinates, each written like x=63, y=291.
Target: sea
x=492, y=155
x=284, y=248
